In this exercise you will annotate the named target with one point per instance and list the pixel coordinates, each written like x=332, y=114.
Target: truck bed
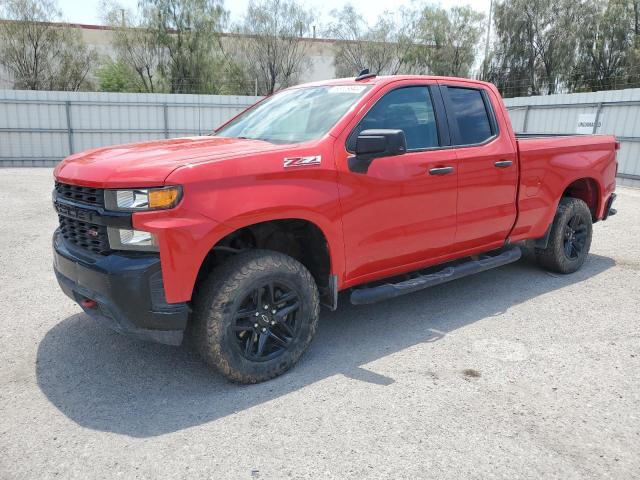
x=546, y=162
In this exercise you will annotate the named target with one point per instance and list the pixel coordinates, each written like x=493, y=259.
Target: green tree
x=605, y=46
x=117, y=76
x=38, y=52
x=635, y=54
x=388, y=47
x=452, y=37
x=136, y=48
x=273, y=48
x=535, y=46
x=187, y=32
x=234, y=79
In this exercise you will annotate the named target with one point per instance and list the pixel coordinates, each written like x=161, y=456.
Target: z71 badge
x=302, y=161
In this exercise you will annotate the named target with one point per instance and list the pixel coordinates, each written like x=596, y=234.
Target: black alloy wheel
x=575, y=237
x=265, y=324
x=255, y=315
x=569, y=239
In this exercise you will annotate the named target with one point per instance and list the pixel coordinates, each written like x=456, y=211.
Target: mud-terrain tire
x=570, y=237
x=262, y=298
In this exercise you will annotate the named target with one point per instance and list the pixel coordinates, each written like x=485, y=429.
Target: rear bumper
x=128, y=292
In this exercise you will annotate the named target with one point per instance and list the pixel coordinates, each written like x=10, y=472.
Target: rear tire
x=255, y=316
x=570, y=237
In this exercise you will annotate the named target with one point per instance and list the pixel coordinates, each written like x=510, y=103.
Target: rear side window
x=408, y=109
x=471, y=115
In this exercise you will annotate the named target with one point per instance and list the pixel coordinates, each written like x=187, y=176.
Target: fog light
x=126, y=239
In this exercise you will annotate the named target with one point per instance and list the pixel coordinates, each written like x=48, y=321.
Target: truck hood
x=150, y=163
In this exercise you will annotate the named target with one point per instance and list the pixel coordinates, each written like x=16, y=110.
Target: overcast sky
x=86, y=11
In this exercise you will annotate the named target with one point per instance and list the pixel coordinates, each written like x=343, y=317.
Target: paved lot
x=513, y=373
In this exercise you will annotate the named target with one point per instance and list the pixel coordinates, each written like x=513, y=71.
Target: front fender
x=218, y=201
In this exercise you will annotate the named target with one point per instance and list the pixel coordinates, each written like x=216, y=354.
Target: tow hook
x=88, y=303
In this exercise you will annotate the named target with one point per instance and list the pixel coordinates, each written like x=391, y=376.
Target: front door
x=402, y=211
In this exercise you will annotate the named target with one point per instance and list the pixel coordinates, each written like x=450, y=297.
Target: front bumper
x=127, y=290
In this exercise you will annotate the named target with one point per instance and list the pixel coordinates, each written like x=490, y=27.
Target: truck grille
x=85, y=235
x=87, y=195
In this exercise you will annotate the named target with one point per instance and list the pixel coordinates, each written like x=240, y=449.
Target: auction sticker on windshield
x=347, y=89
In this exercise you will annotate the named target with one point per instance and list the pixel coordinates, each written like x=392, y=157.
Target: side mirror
x=372, y=144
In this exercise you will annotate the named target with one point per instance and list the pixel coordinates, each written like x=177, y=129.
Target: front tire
x=570, y=237
x=255, y=315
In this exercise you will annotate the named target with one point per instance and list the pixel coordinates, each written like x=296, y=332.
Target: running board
x=364, y=296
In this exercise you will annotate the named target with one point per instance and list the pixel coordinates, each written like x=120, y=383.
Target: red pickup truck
x=380, y=185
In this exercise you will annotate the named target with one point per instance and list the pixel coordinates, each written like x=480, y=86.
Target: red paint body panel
x=486, y=194
x=394, y=219
x=549, y=165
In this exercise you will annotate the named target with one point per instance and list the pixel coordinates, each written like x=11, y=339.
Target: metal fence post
x=165, y=111
x=595, y=123
x=525, y=120
x=69, y=129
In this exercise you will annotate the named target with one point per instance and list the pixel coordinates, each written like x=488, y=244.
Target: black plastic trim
x=441, y=116
x=330, y=297
x=543, y=242
x=608, y=211
x=128, y=291
x=91, y=213
x=364, y=76
x=364, y=296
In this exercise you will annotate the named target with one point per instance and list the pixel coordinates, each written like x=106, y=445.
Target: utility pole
x=486, y=46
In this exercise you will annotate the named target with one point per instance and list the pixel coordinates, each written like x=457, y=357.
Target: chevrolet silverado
x=378, y=185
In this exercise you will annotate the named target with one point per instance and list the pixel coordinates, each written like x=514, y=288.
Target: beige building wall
x=322, y=57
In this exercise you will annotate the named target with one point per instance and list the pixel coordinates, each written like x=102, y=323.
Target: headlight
x=141, y=199
x=125, y=239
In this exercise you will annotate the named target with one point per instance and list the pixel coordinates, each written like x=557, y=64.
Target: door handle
x=440, y=170
x=503, y=163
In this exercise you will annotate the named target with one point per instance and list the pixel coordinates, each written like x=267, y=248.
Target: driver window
x=408, y=109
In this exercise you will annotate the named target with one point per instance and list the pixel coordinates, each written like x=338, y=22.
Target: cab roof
x=385, y=79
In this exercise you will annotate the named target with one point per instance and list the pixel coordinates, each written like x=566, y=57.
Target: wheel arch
x=587, y=189
x=314, y=246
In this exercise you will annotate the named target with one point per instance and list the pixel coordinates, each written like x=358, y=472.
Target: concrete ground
x=513, y=373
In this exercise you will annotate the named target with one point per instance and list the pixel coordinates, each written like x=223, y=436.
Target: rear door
x=487, y=167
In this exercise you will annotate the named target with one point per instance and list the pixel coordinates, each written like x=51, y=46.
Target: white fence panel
x=41, y=128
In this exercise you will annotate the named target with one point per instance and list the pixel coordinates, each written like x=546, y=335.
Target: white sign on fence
x=586, y=121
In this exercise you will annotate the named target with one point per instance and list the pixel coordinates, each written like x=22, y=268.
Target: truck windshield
x=295, y=116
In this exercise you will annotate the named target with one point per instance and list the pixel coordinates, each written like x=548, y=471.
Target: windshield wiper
x=256, y=138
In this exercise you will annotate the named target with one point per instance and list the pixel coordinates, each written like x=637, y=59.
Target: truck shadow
x=107, y=382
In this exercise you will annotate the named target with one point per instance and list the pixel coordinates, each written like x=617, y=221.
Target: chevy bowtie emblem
x=302, y=161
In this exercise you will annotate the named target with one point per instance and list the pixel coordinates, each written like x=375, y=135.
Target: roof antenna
x=364, y=74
